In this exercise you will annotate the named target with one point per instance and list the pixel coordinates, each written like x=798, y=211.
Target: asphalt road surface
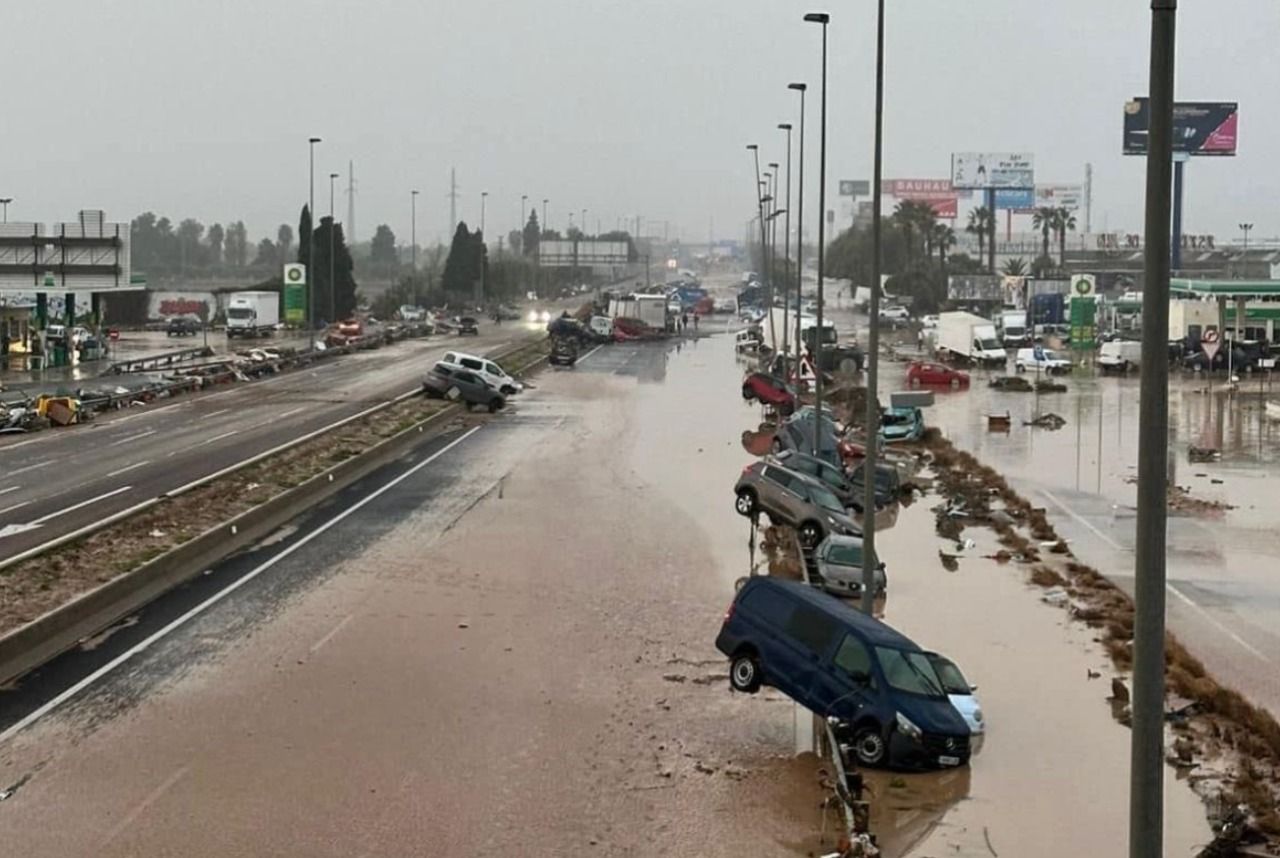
x=499, y=645
x=58, y=481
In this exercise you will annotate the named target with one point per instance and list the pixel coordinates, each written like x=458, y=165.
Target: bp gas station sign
x=295, y=293
x=1084, y=312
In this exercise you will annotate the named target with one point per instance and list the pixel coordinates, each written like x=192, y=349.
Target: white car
x=1045, y=360
x=962, y=697
x=495, y=376
x=929, y=323
x=894, y=314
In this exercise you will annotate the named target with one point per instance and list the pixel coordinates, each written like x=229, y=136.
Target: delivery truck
x=967, y=338
x=253, y=314
x=650, y=309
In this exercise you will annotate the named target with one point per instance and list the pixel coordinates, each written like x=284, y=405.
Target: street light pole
x=1244, y=227
x=764, y=250
x=311, y=246
x=524, y=198
x=413, y=241
x=583, y=224
x=333, y=227
x=872, y=415
x=823, y=18
x=1146, y=770
x=800, y=88
x=484, y=242
x=4, y=201
x=774, y=181
x=786, y=244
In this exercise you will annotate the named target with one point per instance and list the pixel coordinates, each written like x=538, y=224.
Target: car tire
x=848, y=366
x=745, y=503
x=744, y=673
x=1019, y=367
x=747, y=393
x=495, y=405
x=915, y=382
x=810, y=534
x=869, y=745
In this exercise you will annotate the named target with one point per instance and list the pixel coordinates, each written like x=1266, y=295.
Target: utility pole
x=873, y=342
x=413, y=241
x=4, y=201
x=453, y=200
x=311, y=244
x=351, y=203
x=824, y=19
x=1146, y=770
x=333, y=227
x=800, y=88
x=786, y=246
x=1088, y=198
x=1244, y=228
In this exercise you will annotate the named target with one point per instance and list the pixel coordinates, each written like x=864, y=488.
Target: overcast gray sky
x=622, y=107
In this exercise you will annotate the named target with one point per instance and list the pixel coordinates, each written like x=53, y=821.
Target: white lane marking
x=152, y=798
x=215, y=413
x=21, y=444
x=85, y=503
x=593, y=351
x=10, y=489
x=15, y=506
x=1182, y=597
x=1208, y=618
x=129, y=468
x=133, y=437
x=315, y=647
x=31, y=467
x=1098, y=533
x=218, y=437
x=288, y=413
x=208, y=603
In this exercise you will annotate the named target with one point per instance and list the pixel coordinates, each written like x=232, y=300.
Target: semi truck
x=969, y=339
x=253, y=314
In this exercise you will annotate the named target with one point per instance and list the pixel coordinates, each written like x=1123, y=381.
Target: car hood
x=932, y=714
x=968, y=707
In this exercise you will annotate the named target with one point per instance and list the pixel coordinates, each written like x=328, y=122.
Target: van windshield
x=911, y=672
x=825, y=499
x=991, y=345
x=240, y=313
x=953, y=681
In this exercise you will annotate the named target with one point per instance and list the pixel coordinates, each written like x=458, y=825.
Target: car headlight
x=544, y=316
x=907, y=728
x=977, y=716
x=533, y=315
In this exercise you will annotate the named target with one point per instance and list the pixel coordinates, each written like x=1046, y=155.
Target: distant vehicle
x=747, y=340
x=894, y=316
x=969, y=339
x=1046, y=310
x=1045, y=360
x=901, y=424
x=922, y=374
x=839, y=663
x=411, y=313
x=564, y=352
x=839, y=562
x=182, y=326
x=1013, y=329
x=792, y=499
x=888, y=483
x=1119, y=356
x=542, y=316
x=493, y=374
x=467, y=325
x=769, y=390
x=831, y=476
x=962, y=697
x=602, y=327
x=929, y=323
x=350, y=328
x=253, y=314
x=798, y=432
x=749, y=277
x=462, y=385
x=726, y=305
x=55, y=332
x=650, y=309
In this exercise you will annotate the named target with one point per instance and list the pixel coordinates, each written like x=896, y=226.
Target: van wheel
x=869, y=746
x=744, y=674
x=810, y=534
x=746, y=502
x=848, y=366
x=495, y=405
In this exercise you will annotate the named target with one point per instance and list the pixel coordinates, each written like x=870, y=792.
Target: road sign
x=1083, y=285
x=854, y=187
x=1210, y=344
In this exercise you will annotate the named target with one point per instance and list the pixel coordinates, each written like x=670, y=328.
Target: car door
x=807, y=641
x=496, y=374
x=846, y=681
x=783, y=499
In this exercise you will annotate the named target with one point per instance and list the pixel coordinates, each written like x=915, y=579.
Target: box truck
x=253, y=314
x=968, y=338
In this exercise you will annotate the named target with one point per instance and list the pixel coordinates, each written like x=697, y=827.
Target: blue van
x=843, y=664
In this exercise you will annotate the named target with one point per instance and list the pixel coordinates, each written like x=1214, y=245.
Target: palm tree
x=1016, y=267
x=907, y=219
x=1043, y=219
x=980, y=225
x=1063, y=220
x=944, y=238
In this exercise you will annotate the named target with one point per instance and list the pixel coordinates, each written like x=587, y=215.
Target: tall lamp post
x=333, y=227
x=1244, y=227
x=524, y=198
x=824, y=19
x=774, y=181
x=786, y=243
x=800, y=88
x=582, y=227
x=413, y=240
x=311, y=245
x=484, y=243
x=1146, y=765
x=873, y=339
x=4, y=201
x=764, y=246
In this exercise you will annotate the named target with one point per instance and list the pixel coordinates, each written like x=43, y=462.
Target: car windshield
x=897, y=418
x=845, y=554
x=953, y=681
x=825, y=499
x=911, y=672
x=991, y=344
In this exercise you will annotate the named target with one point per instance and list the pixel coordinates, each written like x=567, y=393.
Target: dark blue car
x=840, y=663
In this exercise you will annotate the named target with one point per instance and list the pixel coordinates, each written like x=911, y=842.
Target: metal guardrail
x=165, y=360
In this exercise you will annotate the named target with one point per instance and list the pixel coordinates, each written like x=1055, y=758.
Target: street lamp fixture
x=311, y=243
x=1244, y=227
x=823, y=18
x=4, y=201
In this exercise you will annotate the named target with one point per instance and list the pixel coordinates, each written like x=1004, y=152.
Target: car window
x=852, y=657
x=953, y=681
x=465, y=377
x=911, y=672
x=811, y=628
x=494, y=369
x=823, y=497
x=441, y=369
x=769, y=606
x=845, y=555
x=471, y=363
x=779, y=476
x=804, y=466
x=450, y=357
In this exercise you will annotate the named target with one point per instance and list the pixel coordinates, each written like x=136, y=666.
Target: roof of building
x=1225, y=288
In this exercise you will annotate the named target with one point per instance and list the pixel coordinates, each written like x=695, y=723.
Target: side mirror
x=973, y=688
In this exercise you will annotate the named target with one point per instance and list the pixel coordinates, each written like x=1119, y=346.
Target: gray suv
x=792, y=499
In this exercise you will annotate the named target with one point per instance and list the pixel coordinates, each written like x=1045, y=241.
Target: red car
x=921, y=374
x=770, y=390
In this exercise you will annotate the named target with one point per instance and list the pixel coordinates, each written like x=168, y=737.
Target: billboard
x=993, y=170
x=1199, y=127
x=1016, y=199
x=1069, y=197
x=89, y=255
x=975, y=287
x=584, y=253
x=935, y=193
x=854, y=187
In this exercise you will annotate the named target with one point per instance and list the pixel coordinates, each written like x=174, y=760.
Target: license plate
x=948, y=761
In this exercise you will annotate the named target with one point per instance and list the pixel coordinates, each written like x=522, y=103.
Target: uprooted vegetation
x=1230, y=747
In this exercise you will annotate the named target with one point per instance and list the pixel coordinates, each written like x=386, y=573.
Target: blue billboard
x=1017, y=199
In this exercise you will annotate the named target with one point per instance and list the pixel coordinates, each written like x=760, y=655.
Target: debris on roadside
x=1048, y=420
x=1011, y=383
x=1045, y=385
x=1202, y=454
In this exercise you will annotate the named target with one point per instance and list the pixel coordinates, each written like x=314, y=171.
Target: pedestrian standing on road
x=695, y=322
x=684, y=321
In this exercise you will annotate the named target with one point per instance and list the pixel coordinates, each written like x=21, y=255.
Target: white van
x=495, y=376
x=1119, y=356
x=1044, y=360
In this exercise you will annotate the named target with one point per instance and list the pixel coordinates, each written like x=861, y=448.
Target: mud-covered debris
x=950, y=562
x=1202, y=454
x=1045, y=385
x=1055, y=596
x=1013, y=383
x=674, y=677
x=704, y=768
x=1119, y=691
x=1048, y=420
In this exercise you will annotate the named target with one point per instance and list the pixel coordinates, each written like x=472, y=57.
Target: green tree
x=191, y=255
x=336, y=298
x=1063, y=222
x=268, y=255
x=382, y=249
x=980, y=225
x=304, y=240
x=944, y=238
x=237, y=244
x=463, y=267
x=1043, y=219
x=215, y=237
x=1016, y=267
x=529, y=241
x=284, y=243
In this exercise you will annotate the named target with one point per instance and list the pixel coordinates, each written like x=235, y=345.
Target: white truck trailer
x=969, y=339
x=253, y=314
